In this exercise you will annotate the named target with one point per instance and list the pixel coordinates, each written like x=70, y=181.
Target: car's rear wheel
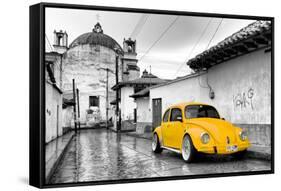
x=188, y=151
x=156, y=147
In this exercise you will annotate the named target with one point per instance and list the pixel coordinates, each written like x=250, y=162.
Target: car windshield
x=197, y=111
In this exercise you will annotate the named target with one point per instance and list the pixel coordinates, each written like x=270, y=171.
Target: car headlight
x=205, y=138
x=243, y=135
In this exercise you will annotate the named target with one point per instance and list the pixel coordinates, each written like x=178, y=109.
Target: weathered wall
x=67, y=118
x=143, y=111
x=242, y=89
x=58, y=71
x=181, y=91
x=56, y=60
x=87, y=64
x=144, y=115
x=127, y=105
x=247, y=81
x=53, y=113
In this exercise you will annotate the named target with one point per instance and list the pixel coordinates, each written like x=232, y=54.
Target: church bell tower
x=60, y=41
x=130, y=69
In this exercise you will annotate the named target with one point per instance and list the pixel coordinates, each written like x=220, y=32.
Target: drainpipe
x=74, y=107
x=107, y=98
x=78, y=108
x=117, y=95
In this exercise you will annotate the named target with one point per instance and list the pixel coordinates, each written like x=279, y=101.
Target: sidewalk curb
x=49, y=176
x=137, y=136
x=258, y=155
x=121, y=131
x=250, y=153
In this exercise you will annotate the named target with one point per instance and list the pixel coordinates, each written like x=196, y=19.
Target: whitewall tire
x=188, y=150
x=155, y=145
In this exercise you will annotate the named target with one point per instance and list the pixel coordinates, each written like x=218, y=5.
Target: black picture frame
x=37, y=93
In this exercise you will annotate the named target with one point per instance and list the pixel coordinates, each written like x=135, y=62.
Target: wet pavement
x=95, y=155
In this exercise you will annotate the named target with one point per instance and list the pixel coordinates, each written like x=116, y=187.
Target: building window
x=94, y=101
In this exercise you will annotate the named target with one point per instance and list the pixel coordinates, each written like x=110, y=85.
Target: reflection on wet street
x=104, y=155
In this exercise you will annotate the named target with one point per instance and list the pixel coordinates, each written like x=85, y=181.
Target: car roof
x=184, y=104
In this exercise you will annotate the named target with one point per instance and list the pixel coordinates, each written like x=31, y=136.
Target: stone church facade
x=91, y=60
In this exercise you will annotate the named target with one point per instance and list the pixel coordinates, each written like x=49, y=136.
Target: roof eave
x=233, y=46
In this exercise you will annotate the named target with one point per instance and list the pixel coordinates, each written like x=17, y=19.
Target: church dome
x=96, y=37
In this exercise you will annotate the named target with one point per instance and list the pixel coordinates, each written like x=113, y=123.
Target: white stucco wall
x=242, y=89
x=58, y=71
x=67, y=116
x=143, y=110
x=127, y=105
x=53, y=113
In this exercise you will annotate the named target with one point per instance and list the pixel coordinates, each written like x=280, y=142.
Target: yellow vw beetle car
x=189, y=128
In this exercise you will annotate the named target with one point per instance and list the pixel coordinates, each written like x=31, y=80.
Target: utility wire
x=205, y=50
x=195, y=45
x=139, y=26
x=214, y=34
x=49, y=42
x=159, y=38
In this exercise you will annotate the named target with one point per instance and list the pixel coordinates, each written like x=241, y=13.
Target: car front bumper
x=224, y=149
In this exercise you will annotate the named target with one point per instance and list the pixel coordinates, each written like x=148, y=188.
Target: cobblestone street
x=103, y=155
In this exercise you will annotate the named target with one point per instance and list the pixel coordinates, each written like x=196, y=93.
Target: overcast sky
x=168, y=56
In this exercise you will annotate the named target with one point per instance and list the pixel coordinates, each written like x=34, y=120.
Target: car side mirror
x=223, y=118
x=179, y=118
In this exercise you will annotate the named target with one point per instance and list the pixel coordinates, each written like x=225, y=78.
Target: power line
x=49, y=42
x=214, y=34
x=159, y=38
x=208, y=85
x=195, y=45
x=139, y=26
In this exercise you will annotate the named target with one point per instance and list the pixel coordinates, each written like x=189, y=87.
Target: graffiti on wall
x=244, y=100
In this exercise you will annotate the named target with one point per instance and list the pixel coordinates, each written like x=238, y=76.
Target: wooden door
x=156, y=112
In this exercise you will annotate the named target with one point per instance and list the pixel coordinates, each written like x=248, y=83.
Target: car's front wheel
x=188, y=151
x=156, y=147
x=240, y=155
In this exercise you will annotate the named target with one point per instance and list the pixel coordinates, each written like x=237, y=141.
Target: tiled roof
x=145, y=81
x=178, y=79
x=142, y=93
x=149, y=81
x=248, y=39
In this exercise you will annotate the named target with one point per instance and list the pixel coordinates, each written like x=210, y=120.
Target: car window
x=197, y=111
x=166, y=116
x=175, y=113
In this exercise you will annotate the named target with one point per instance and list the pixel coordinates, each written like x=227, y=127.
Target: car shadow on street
x=200, y=158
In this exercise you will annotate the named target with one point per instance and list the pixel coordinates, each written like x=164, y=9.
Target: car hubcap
x=154, y=142
x=186, y=149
